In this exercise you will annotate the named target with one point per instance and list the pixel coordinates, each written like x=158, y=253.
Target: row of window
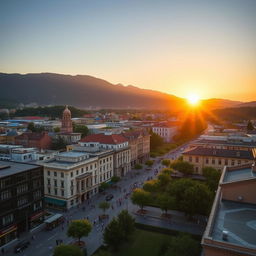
x=218, y=161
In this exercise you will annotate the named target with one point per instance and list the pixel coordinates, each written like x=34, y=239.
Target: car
x=22, y=245
x=109, y=197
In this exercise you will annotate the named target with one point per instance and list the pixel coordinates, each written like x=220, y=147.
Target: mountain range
x=90, y=92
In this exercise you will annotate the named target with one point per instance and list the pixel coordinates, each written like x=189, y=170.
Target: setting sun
x=193, y=99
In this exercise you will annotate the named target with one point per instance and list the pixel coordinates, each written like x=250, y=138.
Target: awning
x=53, y=218
x=37, y=215
x=8, y=230
x=55, y=201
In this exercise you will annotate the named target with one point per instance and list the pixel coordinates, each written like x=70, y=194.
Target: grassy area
x=165, y=148
x=145, y=243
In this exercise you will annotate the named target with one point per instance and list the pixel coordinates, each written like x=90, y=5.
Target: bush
x=149, y=162
x=166, y=162
x=115, y=179
x=138, y=166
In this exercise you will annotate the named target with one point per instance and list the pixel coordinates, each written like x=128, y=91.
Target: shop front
x=55, y=203
x=8, y=234
x=36, y=219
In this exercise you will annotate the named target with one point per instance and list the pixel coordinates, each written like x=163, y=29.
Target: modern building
x=231, y=225
x=202, y=157
x=74, y=176
x=21, y=199
x=116, y=142
x=34, y=140
x=165, y=131
x=139, y=142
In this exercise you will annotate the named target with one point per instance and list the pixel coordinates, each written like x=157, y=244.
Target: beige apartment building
x=73, y=177
x=202, y=157
x=115, y=142
x=231, y=225
x=139, y=142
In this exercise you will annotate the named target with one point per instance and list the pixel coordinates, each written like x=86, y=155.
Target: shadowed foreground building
x=21, y=199
x=231, y=228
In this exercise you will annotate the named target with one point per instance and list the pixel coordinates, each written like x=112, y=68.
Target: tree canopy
x=155, y=141
x=104, y=206
x=140, y=197
x=79, y=228
x=182, y=166
x=67, y=250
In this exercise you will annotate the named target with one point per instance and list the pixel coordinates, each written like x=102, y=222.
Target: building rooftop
x=72, y=154
x=10, y=168
x=105, y=139
x=202, y=151
x=239, y=220
x=239, y=174
x=226, y=142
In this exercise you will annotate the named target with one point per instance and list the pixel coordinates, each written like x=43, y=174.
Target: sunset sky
x=179, y=47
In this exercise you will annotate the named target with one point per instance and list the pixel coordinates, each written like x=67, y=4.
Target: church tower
x=66, y=122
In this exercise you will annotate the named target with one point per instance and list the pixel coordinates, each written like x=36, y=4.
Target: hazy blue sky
x=179, y=47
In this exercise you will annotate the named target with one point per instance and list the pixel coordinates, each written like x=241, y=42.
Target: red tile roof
x=105, y=139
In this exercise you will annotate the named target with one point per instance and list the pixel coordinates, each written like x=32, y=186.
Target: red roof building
x=112, y=139
x=34, y=140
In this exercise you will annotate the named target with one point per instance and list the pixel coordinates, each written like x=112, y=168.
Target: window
x=6, y=194
x=37, y=194
x=232, y=162
x=49, y=190
x=48, y=182
x=71, y=191
x=71, y=202
x=76, y=172
x=62, y=184
x=213, y=161
x=71, y=174
x=226, y=161
x=21, y=201
x=55, y=174
x=7, y=219
x=48, y=173
x=239, y=162
x=219, y=162
x=197, y=159
x=37, y=205
x=62, y=174
x=62, y=192
x=55, y=191
x=190, y=159
x=55, y=183
x=207, y=161
x=22, y=188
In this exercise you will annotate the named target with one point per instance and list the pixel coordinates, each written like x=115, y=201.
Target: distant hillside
x=86, y=91
x=220, y=103
x=247, y=104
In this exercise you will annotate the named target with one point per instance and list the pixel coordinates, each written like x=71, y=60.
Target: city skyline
x=178, y=47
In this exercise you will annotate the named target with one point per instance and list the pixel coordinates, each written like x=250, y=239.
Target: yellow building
x=202, y=157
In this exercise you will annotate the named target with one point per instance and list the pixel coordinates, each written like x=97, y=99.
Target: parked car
x=109, y=197
x=22, y=245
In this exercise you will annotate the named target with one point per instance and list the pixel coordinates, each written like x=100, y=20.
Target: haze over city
x=179, y=47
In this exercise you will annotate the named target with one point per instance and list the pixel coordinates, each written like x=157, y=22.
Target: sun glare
x=193, y=99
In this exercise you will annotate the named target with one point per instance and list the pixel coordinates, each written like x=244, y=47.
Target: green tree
x=182, y=166
x=150, y=186
x=67, y=250
x=212, y=177
x=115, y=179
x=167, y=171
x=58, y=143
x=103, y=253
x=104, y=186
x=104, y=206
x=250, y=126
x=126, y=223
x=113, y=234
x=166, y=202
x=140, y=197
x=83, y=129
x=163, y=180
x=183, y=245
x=79, y=228
x=155, y=141
x=56, y=129
x=138, y=166
x=149, y=163
x=31, y=127
x=166, y=162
